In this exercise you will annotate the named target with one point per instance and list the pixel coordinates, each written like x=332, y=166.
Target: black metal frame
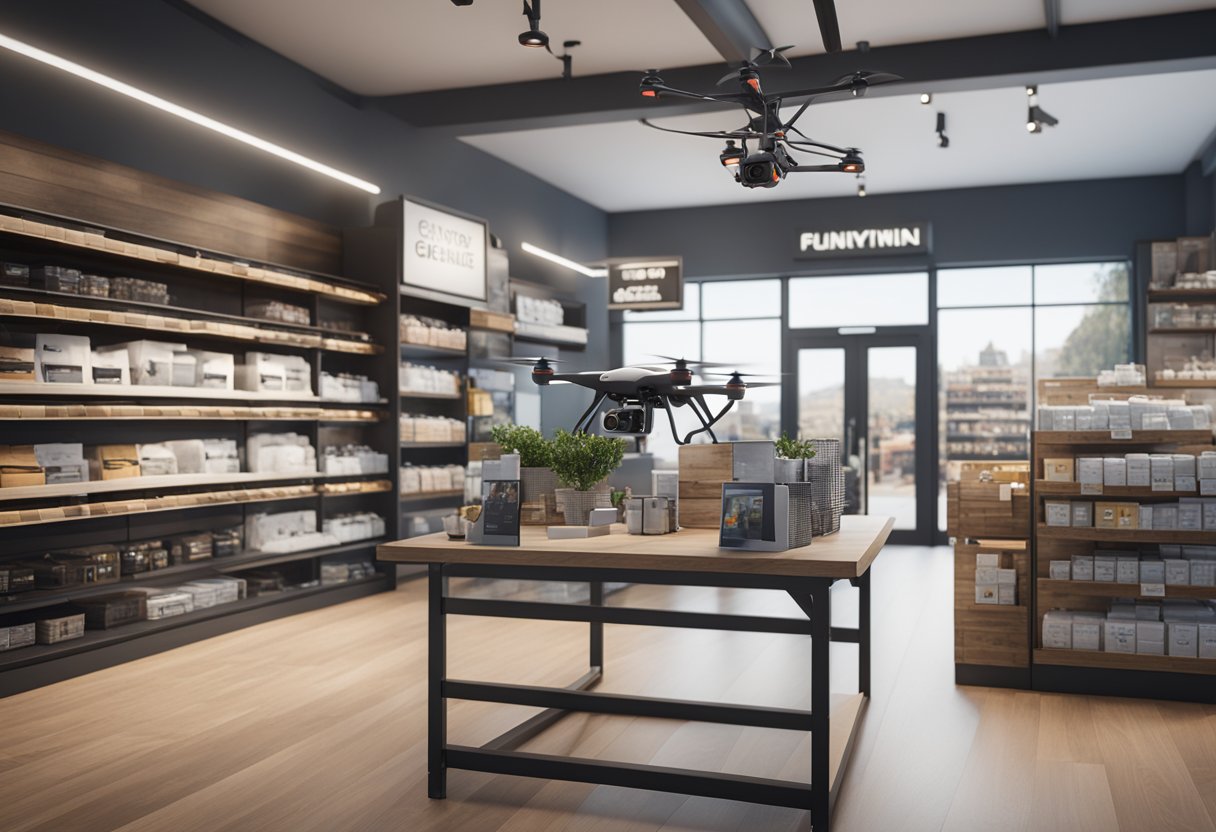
x=499, y=755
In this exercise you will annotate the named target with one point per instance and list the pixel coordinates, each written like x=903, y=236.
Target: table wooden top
x=845, y=554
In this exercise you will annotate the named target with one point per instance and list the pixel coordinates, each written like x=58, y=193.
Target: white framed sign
x=444, y=252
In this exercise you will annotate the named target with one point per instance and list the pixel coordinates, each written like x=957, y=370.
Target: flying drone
x=762, y=152
x=638, y=390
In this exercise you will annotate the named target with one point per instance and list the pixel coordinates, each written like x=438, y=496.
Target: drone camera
x=760, y=170
x=630, y=419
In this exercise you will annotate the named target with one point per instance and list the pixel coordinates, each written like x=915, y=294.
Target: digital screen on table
x=743, y=515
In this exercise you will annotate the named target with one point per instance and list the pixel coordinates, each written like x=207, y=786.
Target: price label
x=1091, y=488
x=1152, y=590
x=1124, y=433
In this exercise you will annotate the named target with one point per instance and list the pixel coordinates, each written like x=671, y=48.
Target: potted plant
x=792, y=454
x=537, y=481
x=582, y=461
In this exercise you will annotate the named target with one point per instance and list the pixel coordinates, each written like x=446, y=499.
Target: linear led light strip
x=562, y=261
x=181, y=112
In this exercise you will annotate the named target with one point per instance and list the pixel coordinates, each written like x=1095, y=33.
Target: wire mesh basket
x=802, y=512
x=825, y=476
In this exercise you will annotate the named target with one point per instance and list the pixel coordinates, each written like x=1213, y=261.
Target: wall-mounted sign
x=444, y=252
x=656, y=283
x=907, y=238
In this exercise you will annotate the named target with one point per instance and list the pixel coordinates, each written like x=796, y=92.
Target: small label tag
x=1153, y=590
x=1163, y=484
x=1125, y=433
x=1207, y=488
x=1091, y=488
x=1006, y=492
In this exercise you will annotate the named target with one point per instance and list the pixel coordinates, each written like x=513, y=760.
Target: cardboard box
x=1177, y=572
x=1190, y=515
x=1165, y=516
x=1057, y=630
x=113, y=462
x=1161, y=468
x=1183, y=640
x=1106, y=568
x=214, y=370
x=1205, y=465
x=987, y=594
x=111, y=367
x=19, y=467
x=1106, y=515
x=1146, y=516
x=1207, y=641
x=1127, y=516
x=1150, y=638
x=1059, y=470
x=62, y=462
x=1127, y=570
x=1114, y=470
x=1120, y=636
x=992, y=559
x=17, y=364
x=1060, y=570
x=1090, y=470
x=987, y=574
x=1152, y=571
x=703, y=469
x=1203, y=572
x=1007, y=595
x=1082, y=567
x=1087, y=631
x=1058, y=512
x=1139, y=470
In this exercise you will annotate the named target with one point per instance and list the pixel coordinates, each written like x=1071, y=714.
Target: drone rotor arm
x=722, y=98
x=710, y=134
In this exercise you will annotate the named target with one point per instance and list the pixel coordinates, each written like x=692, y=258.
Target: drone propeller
x=684, y=362
x=749, y=375
x=760, y=59
x=863, y=79
x=528, y=360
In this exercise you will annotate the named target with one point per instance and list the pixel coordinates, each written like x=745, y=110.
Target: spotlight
x=650, y=84
x=852, y=162
x=534, y=38
x=861, y=189
x=926, y=98
x=942, y=139
x=1036, y=117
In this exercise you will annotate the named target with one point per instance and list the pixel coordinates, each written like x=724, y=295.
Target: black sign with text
x=652, y=283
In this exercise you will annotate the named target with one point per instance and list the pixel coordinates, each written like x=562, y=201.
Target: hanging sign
x=444, y=252
x=907, y=238
x=654, y=283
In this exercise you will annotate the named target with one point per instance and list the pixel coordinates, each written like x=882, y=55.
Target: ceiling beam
x=728, y=25
x=1086, y=51
x=1051, y=15
x=829, y=26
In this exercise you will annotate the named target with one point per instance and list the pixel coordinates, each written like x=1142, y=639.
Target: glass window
x=741, y=299
x=862, y=300
x=997, y=286
x=891, y=481
x=1080, y=340
x=1080, y=283
x=821, y=394
x=642, y=342
x=690, y=311
x=749, y=347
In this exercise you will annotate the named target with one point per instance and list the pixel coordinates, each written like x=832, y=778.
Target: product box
x=1146, y=516
x=1007, y=595
x=1152, y=571
x=1090, y=470
x=1127, y=516
x=1165, y=516
x=63, y=359
x=1139, y=470
x=1209, y=513
x=1177, y=572
x=15, y=634
x=185, y=367
x=1120, y=636
x=1057, y=630
x=1082, y=567
x=1059, y=470
x=1190, y=515
x=1106, y=515
x=17, y=364
x=1058, y=512
x=101, y=612
x=1205, y=466
x=1203, y=572
x=992, y=559
x=1207, y=641
x=188, y=548
x=156, y=460
x=1060, y=570
x=19, y=467
x=1150, y=638
x=1087, y=631
x=58, y=624
x=151, y=361
x=62, y=462
x=1106, y=568
x=1120, y=415
x=113, y=462
x=14, y=274
x=1082, y=513
x=214, y=370
x=166, y=603
x=262, y=373
x=15, y=579
x=1185, y=470
x=986, y=574
x=1127, y=570
x=1114, y=470
x=1161, y=468
x=1183, y=640
x=111, y=366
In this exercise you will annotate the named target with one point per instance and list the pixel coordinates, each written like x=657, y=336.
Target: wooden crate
x=987, y=509
x=993, y=636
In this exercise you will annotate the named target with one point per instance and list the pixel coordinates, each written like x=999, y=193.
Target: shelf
x=1010, y=610
x=1123, y=535
x=77, y=489
x=1184, y=330
x=37, y=598
x=1105, y=589
x=427, y=351
x=1177, y=383
x=227, y=266
x=406, y=394
x=148, y=391
x=429, y=496
x=1045, y=488
x=189, y=413
x=1180, y=294
x=100, y=638
x=1124, y=661
x=432, y=444
x=560, y=336
x=1139, y=437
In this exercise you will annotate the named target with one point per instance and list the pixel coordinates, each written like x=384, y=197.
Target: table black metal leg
x=821, y=705
x=437, y=669
x=597, y=627
x=863, y=627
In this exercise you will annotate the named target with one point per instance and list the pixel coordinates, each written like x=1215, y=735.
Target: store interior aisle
x=310, y=723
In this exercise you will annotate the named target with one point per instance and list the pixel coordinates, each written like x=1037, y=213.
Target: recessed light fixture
x=181, y=112
x=562, y=261
x=926, y=98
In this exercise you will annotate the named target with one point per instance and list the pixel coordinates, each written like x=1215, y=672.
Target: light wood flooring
x=317, y=722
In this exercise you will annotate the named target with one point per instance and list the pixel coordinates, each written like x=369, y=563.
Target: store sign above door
x=911, y=238
x=646, y=284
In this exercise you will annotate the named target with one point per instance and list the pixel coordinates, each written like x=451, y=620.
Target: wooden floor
x=317, y=722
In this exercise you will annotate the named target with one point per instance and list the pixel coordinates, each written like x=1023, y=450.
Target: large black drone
x=773, y=142
x=637, y=391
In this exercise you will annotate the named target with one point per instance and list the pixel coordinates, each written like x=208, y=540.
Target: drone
x=762, y=152
x=639, y=390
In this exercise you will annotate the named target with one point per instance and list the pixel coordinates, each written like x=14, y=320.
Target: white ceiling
x=385, y=47
x=1140, y=125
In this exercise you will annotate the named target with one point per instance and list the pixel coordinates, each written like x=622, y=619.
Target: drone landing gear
x=583, y=425
x=704, y=415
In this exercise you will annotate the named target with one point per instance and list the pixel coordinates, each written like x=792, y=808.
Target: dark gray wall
x=1023, y=223
x=1200, y=195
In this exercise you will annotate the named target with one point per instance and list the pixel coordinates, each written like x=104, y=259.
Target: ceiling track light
x=942, y=139
x=191, y=116
x=562, y=261
x=534, y=38
x=1036, y=117
x=926, y=98
x=861, y=187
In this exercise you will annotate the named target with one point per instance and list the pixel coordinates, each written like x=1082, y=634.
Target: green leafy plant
x=581, y=460
x=788, y=448
x=534, y=450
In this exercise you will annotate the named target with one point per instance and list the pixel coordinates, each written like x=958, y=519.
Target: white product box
x=1152, y=572
x=1207, y=641
x=111, y=366
x=992, y=559
x=1165, y=516
x=1209, y=515
x=1181, y=418
x=1087, y=631
x=1106, y=568
x=1120, y=415
x=1114, y=470
x=1183, y=638
x=986, y=574
x=1057, y=630
x=1060, y=570
x=262, y=373
x=1203, y=571
x=1147, y=611
x=184, y=368
x=1090, y=470
x=1059, y=512
x=1177, y=572
x=1082, y=567
x=1059, y=470
x=1101, y=417
x=987, y=594
x=1146, y=515
x=1065, y=418
x=62, y=462
x=1205, y=466
x=1150, y=638
x=1190, y=515
x=1184, y=465
x=156, y=460
x=214, y=370
x=151, y=361
x=1082, y=513
x=1120, y=636
x=1084, y=417
x=1047, y=417
x=1007, y=577
x=191, y=455
x=1007, y=594
x=1161, y=467
x=1139, y=470
x=222, y=456
x=63, y=359
x=1127, y=570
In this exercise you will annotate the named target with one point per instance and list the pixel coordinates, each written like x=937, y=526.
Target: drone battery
x=188, y=548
